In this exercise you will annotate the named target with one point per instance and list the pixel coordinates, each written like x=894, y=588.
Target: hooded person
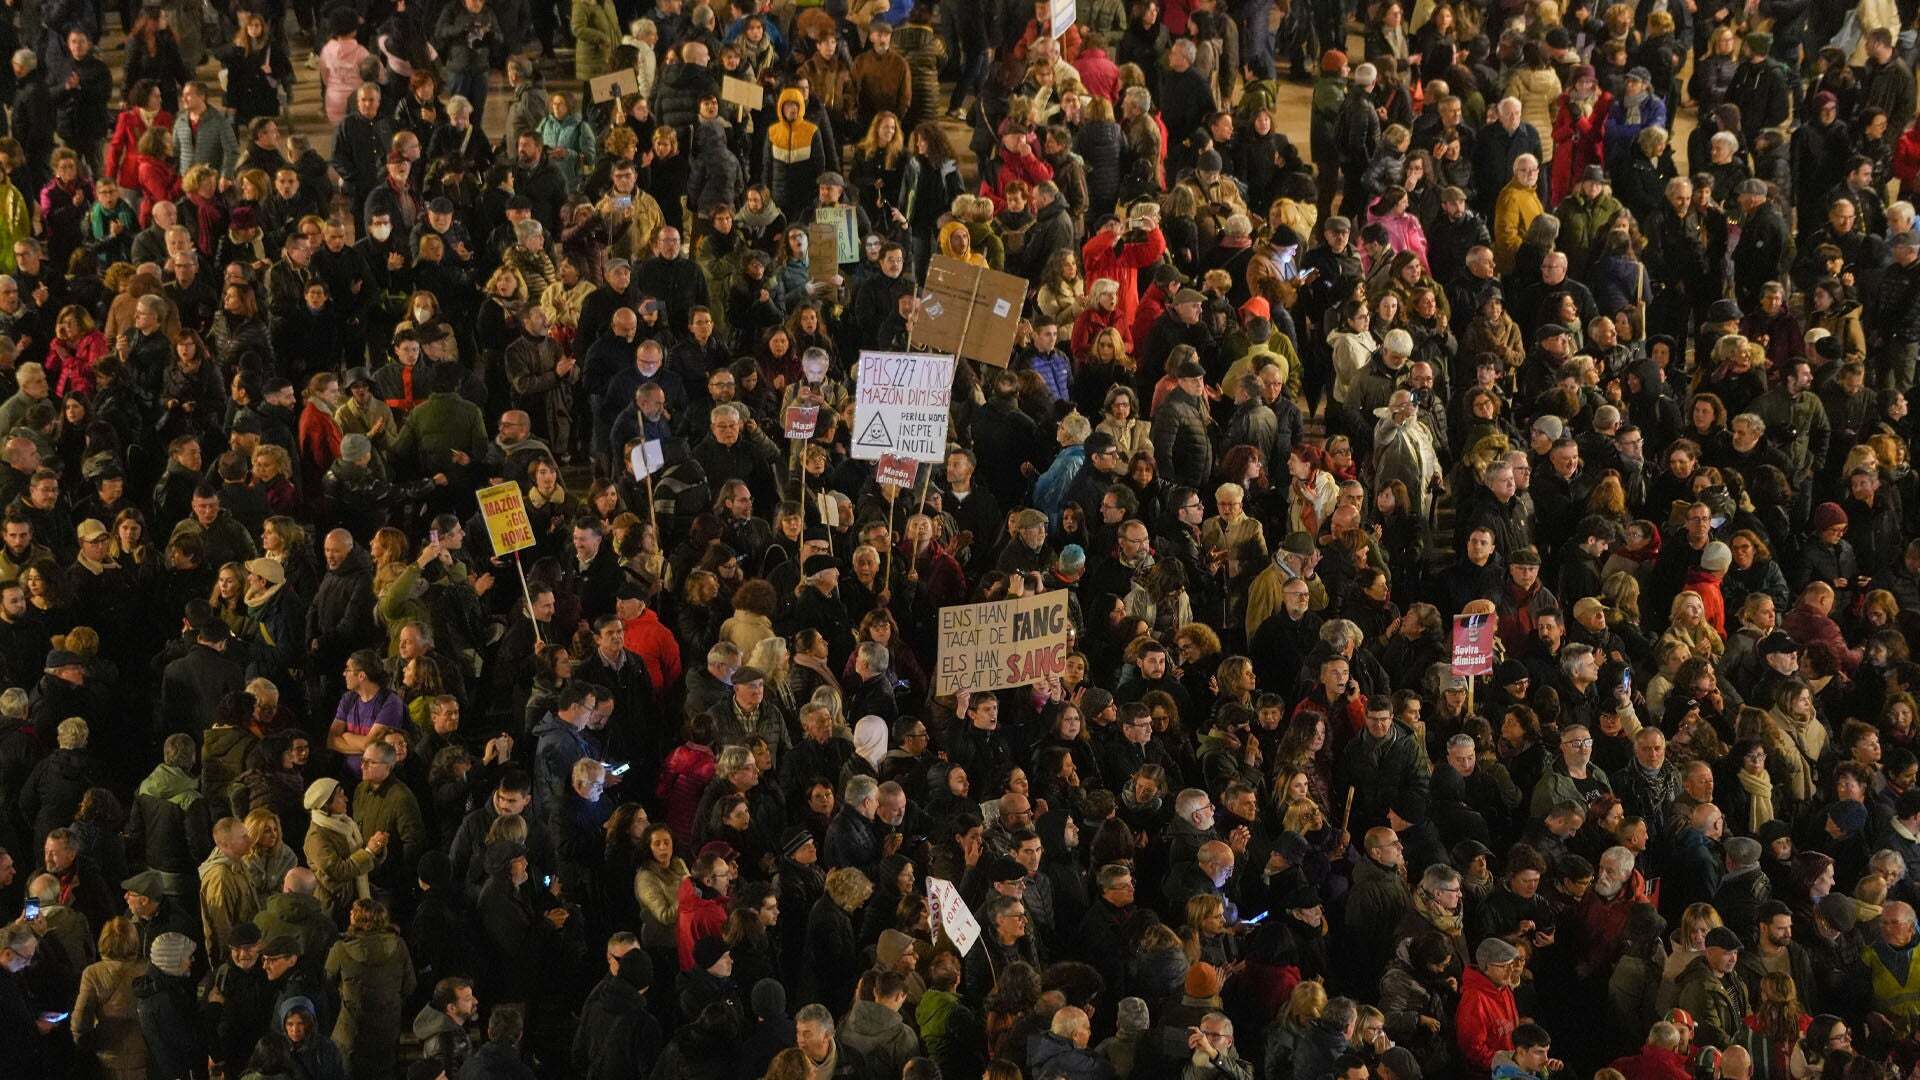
x=870, y=740
x=772, y=1029
x=715, y=177
x=796, y=154
x=618, y=1035
x=313, y=1054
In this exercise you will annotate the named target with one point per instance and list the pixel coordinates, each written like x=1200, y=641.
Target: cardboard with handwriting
x=969, y=311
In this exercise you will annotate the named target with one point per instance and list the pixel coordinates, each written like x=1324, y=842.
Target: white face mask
x=421, y=314
x=379, y=232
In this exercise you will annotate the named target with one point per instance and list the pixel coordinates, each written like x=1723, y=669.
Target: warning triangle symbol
x=876, y=433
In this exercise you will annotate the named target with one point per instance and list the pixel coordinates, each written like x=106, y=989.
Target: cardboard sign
x=846, y=230
x=749, y=95
x=896, y=470
x=1473, y=644
x=506, y=513
x=802, y=420
x=1060, y=14
x=969, y=311
x=1003, y=643
x=823, y=246
x=647, y=459
x=949, y=914
x=613, y=85
x=900, y=406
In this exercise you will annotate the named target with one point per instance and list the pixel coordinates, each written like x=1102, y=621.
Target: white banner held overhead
x=900, y=406
x=950, y=914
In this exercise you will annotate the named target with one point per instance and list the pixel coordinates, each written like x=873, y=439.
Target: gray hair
x=13, y=703
x=1664, y=1035
x=1459, y=741
x=860, y=789
x=44, y=888
x=1439, y=878
x=816, y=1014
x=723, y=652
x=1742, y=852
x=1366, y=75
x=1571, y=655
x=874, y=655
x=1751, y=421
x=1077, y=427
x=25, y=60
x=1191, y=801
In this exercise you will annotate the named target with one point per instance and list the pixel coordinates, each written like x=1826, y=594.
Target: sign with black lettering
x=900, y=406
x=1003, y=643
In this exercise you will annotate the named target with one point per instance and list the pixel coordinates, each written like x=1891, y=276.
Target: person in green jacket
x=442, y=433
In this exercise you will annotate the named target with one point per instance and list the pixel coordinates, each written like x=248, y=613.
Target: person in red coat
x=1119, y=250
x=704, y=898
x=1017, y=159
x=1659, y=1059
x=319, y=434
x=1579, y=130
x=647, y=637
x=1484, y=1021
x=155, y=178
x=1101, y=314
x=143, y=113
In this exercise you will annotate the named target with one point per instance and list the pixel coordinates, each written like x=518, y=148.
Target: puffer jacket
x=715, y=176
x=676, y=97
x=796, y=155
x=1100, y=144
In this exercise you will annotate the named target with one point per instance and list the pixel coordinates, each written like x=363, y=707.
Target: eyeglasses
x=1581, y=744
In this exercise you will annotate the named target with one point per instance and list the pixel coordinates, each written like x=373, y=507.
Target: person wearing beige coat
x=336, y=852
x=106, y=1019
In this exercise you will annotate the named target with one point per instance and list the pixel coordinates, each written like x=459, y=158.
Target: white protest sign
x=950, y=914
x=1061, y=15
x=1003, y=643
x=900, y=406
x=647, y=459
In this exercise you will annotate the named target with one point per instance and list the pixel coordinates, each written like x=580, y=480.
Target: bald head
x=625, y=322
x=300, y=882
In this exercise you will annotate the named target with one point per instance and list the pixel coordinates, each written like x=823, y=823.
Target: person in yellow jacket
x=16, y=213
x=1514, y=211
x=1297, y=557
x=1892, y=970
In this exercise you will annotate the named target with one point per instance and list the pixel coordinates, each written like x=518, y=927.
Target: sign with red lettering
x=1003, y=643
x=506, y=514
x=1473, y=644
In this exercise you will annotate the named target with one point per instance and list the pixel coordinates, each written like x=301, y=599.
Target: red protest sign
x=802, y=420
x=898, y=471
x=1473, y=644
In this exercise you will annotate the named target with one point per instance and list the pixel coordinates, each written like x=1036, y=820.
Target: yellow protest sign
x=506, y=514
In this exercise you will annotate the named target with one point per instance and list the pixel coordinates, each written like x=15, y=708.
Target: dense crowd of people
x=1489, y=549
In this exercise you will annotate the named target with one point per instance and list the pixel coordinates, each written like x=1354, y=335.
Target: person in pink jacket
x=340, y=63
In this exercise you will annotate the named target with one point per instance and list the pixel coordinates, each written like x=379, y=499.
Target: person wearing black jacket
x=360, y=144
x=82, y=113
x=618, y=1037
